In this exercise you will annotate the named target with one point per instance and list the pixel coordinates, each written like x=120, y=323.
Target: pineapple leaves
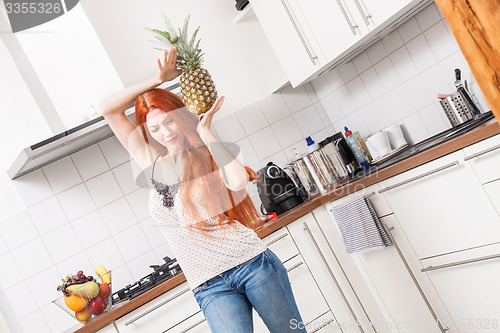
x=189, y=55
x=170, y=28
x=191, y=42
x=185, y=27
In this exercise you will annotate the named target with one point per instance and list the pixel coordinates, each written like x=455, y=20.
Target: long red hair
x=200, y=171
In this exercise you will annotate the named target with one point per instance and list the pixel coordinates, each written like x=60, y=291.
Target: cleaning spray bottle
x=358, y=147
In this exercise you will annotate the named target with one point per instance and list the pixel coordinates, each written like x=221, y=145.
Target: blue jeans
x=262, y=282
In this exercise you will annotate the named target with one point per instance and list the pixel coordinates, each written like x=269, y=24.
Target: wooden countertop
x=477, y=134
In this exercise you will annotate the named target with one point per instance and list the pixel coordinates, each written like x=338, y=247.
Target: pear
x=88, y=289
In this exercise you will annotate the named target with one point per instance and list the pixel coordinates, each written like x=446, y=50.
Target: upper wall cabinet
x=312, y=36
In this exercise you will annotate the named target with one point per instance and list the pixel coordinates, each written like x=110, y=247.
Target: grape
x=69, y=283
x=90, y=278
x=83, y=277
x=80, y=273
x=76, y=278
x=59, y=288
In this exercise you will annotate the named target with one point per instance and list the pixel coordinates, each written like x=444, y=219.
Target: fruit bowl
x=87, y=297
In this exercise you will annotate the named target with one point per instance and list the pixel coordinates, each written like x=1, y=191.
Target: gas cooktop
x=160, y=274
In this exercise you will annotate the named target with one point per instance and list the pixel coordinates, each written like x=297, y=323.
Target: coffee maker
x=277, y=191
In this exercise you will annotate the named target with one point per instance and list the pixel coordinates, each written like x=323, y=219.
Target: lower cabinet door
x=394, y=290
x=162, y=313
x=493, y=191
x=468, y=284
x=329, y=275
x=194, y=324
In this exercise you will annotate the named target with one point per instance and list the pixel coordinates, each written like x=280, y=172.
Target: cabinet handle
x=306, y=228
x=481, y=153
x=156, y=307
x=276, y=239
x=193, y=326
x=324, y=324
x=294, y=266
x=344, y=12
x=407, y=266
x=297, y=30
x=458, y=263
x=404, y=182
x=362, y=11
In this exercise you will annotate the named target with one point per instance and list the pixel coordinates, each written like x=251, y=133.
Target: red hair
x=200, y=171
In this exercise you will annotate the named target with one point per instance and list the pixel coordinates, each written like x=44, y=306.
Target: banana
x=103, y=274
x=88, y=289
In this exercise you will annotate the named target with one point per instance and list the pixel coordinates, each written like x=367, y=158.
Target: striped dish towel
x=360, y=227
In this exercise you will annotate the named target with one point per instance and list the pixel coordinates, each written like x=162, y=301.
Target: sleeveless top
x=200, y=256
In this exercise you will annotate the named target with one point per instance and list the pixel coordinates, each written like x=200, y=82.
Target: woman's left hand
x=205, y=123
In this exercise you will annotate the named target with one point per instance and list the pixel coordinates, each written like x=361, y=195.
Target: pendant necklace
x=168, y=191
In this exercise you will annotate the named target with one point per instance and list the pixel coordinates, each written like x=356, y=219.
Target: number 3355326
x=32, y=8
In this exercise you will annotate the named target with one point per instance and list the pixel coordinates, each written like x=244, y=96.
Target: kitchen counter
x=483, y=131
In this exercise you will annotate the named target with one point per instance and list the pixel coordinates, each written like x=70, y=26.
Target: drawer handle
x=324, y=325
x=276, y=239
x=388, y=188
x=299, y=33
x=362, y=11
x=410, y=272
x=306, y=228
x=156, y=307
x=294, y=266
x=481, y=153
x=458, y=263
x=193, y=326
x=352, y=26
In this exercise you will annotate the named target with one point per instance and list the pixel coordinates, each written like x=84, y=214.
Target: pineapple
x=197, y=88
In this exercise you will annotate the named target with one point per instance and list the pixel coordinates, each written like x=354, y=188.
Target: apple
x=104, y=290
x=97, y=305
x=83, y=315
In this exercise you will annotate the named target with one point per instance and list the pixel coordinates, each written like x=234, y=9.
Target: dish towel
x=360, y=227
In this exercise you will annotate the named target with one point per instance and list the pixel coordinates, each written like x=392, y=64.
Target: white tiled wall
x=396, y=80
x=86, y=210
x=82, y=211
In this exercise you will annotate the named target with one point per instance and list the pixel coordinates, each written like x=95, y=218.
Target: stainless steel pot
x=314, y=171
x=331, y=148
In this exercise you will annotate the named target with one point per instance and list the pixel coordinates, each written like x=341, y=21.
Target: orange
x=75, y=303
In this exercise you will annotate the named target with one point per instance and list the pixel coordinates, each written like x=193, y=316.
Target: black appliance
x=277, y=191
x=160, y=274
x=346, y=153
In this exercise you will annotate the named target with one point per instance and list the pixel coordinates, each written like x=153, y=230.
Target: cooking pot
x=314, y=171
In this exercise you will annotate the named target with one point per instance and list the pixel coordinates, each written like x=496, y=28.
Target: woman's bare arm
x=234, y=173
x=114, y=106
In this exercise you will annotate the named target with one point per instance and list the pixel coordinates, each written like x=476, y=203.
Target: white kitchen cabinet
x=442, y=207
x=194, y=324
x=401, y=307
x=310, y=36
x=162, y=313
x=330, y=276
x=282, y=245
x=484, y=157
x=493, y=191
x=467, y=283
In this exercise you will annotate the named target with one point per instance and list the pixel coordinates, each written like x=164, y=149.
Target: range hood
x=66, y=143
x=61, y=145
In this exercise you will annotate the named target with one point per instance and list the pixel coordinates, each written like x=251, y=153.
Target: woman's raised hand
x=203, y=126
x=167, y=71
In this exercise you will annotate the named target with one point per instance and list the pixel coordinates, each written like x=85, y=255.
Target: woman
x=198, y=198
